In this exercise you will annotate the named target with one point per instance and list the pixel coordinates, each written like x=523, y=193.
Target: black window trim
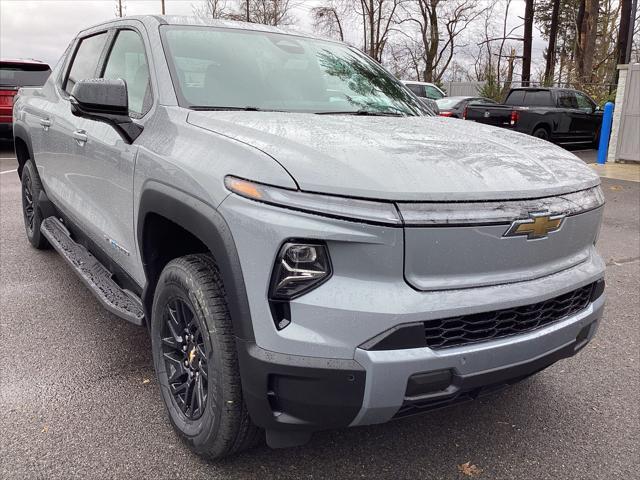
x=104, y=58
x=72, y=58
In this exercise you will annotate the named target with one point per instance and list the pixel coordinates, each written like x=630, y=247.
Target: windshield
x=242, y=69
x=23, y=74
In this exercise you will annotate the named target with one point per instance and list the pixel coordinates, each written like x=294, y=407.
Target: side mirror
x=105, y=101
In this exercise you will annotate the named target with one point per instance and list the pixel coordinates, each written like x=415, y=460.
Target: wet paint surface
x=412, y=158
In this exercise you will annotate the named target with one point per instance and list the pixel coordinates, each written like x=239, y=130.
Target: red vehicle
x=13, y=75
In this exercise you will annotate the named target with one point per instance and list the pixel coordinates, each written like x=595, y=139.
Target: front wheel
x=31, y=188
x=195, y=359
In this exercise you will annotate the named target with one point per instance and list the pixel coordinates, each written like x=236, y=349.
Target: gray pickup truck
x=307, y=245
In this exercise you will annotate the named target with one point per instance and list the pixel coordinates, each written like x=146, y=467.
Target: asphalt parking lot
x=78, y=397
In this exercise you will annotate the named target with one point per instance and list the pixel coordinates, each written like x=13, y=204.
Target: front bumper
x=291, y=396
x=312, y=374
x=474, y=368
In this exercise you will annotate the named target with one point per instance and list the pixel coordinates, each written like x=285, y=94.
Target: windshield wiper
x=364, y=112
x=231, y=109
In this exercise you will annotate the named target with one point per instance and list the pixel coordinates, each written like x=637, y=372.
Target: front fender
x=204, y=222
x=20, y=135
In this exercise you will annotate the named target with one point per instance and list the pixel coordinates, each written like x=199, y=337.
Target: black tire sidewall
x=176, y=282
x=30, y=174
x=544, y=136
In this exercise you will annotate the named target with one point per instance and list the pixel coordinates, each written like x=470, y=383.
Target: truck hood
x=404, y=158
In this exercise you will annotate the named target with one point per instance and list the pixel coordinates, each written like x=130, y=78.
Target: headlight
x=299, y=267
x=382, y=213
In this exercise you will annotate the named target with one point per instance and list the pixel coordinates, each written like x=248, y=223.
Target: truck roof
x=542, y=88
x=26, y=61
x=156, y=20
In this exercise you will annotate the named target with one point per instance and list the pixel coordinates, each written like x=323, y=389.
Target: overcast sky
x=42, y=29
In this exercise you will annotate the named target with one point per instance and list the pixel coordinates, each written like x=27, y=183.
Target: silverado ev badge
x=537, y=226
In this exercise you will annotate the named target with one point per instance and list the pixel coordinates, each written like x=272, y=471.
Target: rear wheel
x=541, y=133
x=195, y=359
x=31, y=188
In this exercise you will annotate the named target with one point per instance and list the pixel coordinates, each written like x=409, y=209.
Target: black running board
x=94, y=275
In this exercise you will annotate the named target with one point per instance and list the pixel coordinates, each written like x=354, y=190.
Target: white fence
x=628, y=141
x=455, y=89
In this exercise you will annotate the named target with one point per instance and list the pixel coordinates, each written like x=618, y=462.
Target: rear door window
x=567, y=100
x=16, y=74
x=583, y=102
x=417, y=89
x=433, y=93
x=516, y=98
x=85, y=61
x=538, y=98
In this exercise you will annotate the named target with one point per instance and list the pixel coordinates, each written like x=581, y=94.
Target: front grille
x=480, y=327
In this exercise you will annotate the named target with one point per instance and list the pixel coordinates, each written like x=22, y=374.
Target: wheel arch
x=22, y=146
x=204, y=225
x=544, y=125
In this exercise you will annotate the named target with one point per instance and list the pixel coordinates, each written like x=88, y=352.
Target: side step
x=94, y=275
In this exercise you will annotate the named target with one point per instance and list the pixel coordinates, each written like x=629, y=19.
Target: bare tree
x=528, y=40
x=212, y=9
x=439, y=25
x=328, y=19
x=121, y=8
x=586, y=41
x=624, y=31
x=267, y=12
x=496, y=51
x=633, y=45
x=551, y=47
x=377, y=17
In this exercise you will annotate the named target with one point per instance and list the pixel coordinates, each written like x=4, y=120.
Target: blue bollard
x=605, y=133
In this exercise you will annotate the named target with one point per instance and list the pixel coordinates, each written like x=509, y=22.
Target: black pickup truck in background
x=559, y=115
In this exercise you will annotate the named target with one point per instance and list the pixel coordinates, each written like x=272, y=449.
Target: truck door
x=107, y=171
x=59, y=154
x=590, y=119
x=570, y=116
x=580, y=118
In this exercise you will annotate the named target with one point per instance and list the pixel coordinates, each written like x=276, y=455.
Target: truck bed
x=496, y=115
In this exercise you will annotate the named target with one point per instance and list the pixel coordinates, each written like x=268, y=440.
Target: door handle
x=46, y=123
x=80, y=136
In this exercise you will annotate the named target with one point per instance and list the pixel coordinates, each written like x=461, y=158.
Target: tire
x=222, y=426
x=541, y=133
x=31, y=188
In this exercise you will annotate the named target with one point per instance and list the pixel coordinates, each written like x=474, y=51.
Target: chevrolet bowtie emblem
x=539, y=225
x=192, y=355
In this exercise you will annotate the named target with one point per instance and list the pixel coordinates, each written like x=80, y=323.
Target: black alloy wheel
x=30, y=192
x=185, y=359
x=27, y=204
